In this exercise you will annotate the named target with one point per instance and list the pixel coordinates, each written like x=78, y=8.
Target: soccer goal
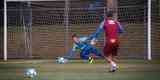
x=43, y=28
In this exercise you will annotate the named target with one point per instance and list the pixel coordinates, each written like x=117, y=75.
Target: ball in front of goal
x=30, y=72
x=62, y=60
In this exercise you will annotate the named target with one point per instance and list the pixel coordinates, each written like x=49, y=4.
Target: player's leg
x=96, y=52
x=114, y=54
x=84, y=54
x=112, y=64
x=70, y=54
x=108, y=53
x=93, y=50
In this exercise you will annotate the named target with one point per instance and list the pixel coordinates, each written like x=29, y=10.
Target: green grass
x=77, y=70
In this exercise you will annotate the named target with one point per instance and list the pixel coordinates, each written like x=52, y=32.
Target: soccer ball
x=62, y=60
x=31, y=72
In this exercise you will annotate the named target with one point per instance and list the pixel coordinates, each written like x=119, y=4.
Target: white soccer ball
x=31, y=72
x=62, y=60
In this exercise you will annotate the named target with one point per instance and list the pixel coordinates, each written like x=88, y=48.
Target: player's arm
x=83, y=39
x=98, y=31
x=120, y=28
x=71, y=53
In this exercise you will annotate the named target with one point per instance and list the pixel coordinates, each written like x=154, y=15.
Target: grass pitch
x=77, y=70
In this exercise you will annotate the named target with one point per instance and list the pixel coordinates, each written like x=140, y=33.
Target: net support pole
x=30, y=29
x=149, y=31
x=112, y=5
x=5, y=31
x=66, y=23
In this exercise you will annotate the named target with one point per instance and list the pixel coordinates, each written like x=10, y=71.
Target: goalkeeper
x=85, y=48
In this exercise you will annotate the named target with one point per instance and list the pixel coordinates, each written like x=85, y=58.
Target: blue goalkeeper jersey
x=81, y=45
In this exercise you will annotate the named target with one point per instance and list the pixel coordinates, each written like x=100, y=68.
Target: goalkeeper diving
x=85, y=47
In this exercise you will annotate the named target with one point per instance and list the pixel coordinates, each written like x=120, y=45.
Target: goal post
x=149, y=57
x=5, y=31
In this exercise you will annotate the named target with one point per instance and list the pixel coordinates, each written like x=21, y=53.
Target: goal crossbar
x=31, y=0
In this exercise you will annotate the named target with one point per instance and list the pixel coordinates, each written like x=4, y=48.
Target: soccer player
x=111, y=28
x=85, y=48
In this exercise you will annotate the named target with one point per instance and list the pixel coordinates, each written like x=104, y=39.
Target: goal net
x=42, y=29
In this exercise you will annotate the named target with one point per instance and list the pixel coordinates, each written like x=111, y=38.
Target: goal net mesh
x=42, y=29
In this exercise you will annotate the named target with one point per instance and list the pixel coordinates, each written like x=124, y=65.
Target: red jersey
x=111, y=28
